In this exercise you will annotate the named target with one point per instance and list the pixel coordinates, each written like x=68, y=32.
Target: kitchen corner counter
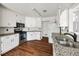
x=7, y=34
x=59, y=50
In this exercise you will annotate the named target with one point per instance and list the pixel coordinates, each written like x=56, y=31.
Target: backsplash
x=32, y=29
x=6, y=30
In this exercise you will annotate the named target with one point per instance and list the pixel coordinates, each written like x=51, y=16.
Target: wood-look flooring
x=32, y=48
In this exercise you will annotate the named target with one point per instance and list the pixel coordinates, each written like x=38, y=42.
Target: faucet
x=60, y=30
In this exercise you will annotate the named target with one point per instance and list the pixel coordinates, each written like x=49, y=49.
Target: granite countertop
x=60, y=50
x=7, y=34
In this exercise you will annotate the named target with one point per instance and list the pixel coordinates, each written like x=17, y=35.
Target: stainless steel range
x=22, y=34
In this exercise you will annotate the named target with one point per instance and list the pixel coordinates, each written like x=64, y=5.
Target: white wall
x=4, y=30
x=32, y=29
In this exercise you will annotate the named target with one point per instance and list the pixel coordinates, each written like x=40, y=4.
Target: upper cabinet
x=33, y=22
x=63, y=18
x=7, y=17
x=75, y=17
x=71, y=18
x=38, y=22
x=20, y=18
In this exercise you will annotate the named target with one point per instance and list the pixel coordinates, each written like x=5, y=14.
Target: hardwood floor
x=32, y=48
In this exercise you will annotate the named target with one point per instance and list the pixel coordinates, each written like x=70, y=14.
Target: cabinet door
x=33, y=22
x=29, y=36
x=16, y=40
x=23, y=19
x=64, y=18
x=38, y=22
x=5, y=45
x=20, y=18
x=30, y=22
x=7, y=18
x=33, y=36
x=36, y=35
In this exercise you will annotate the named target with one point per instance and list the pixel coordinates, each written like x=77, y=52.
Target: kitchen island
x=60, y=50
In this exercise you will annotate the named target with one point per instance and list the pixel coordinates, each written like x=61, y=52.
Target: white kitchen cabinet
x=7, y=17
x=33, y=36
x=33, y=22
x=29, y=22
x=8, y=42
x=63, y=18
x=38, y=22
x=20, y=18
x=74, y=19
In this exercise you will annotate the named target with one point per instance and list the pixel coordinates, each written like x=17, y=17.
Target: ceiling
x=50, y=9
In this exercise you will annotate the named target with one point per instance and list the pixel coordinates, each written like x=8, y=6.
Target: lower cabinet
x=8, y=42
x=33, y=36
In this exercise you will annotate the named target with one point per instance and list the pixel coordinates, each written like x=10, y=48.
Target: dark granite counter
x=7, y=34
x=60, y=50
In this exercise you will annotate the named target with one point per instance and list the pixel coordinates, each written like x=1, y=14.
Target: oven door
x=23, y=35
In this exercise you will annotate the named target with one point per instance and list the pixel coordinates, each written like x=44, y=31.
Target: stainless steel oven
x=23, y=35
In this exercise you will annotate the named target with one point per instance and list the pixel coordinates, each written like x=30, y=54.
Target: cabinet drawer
x=4, y=39
x=5, y=46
